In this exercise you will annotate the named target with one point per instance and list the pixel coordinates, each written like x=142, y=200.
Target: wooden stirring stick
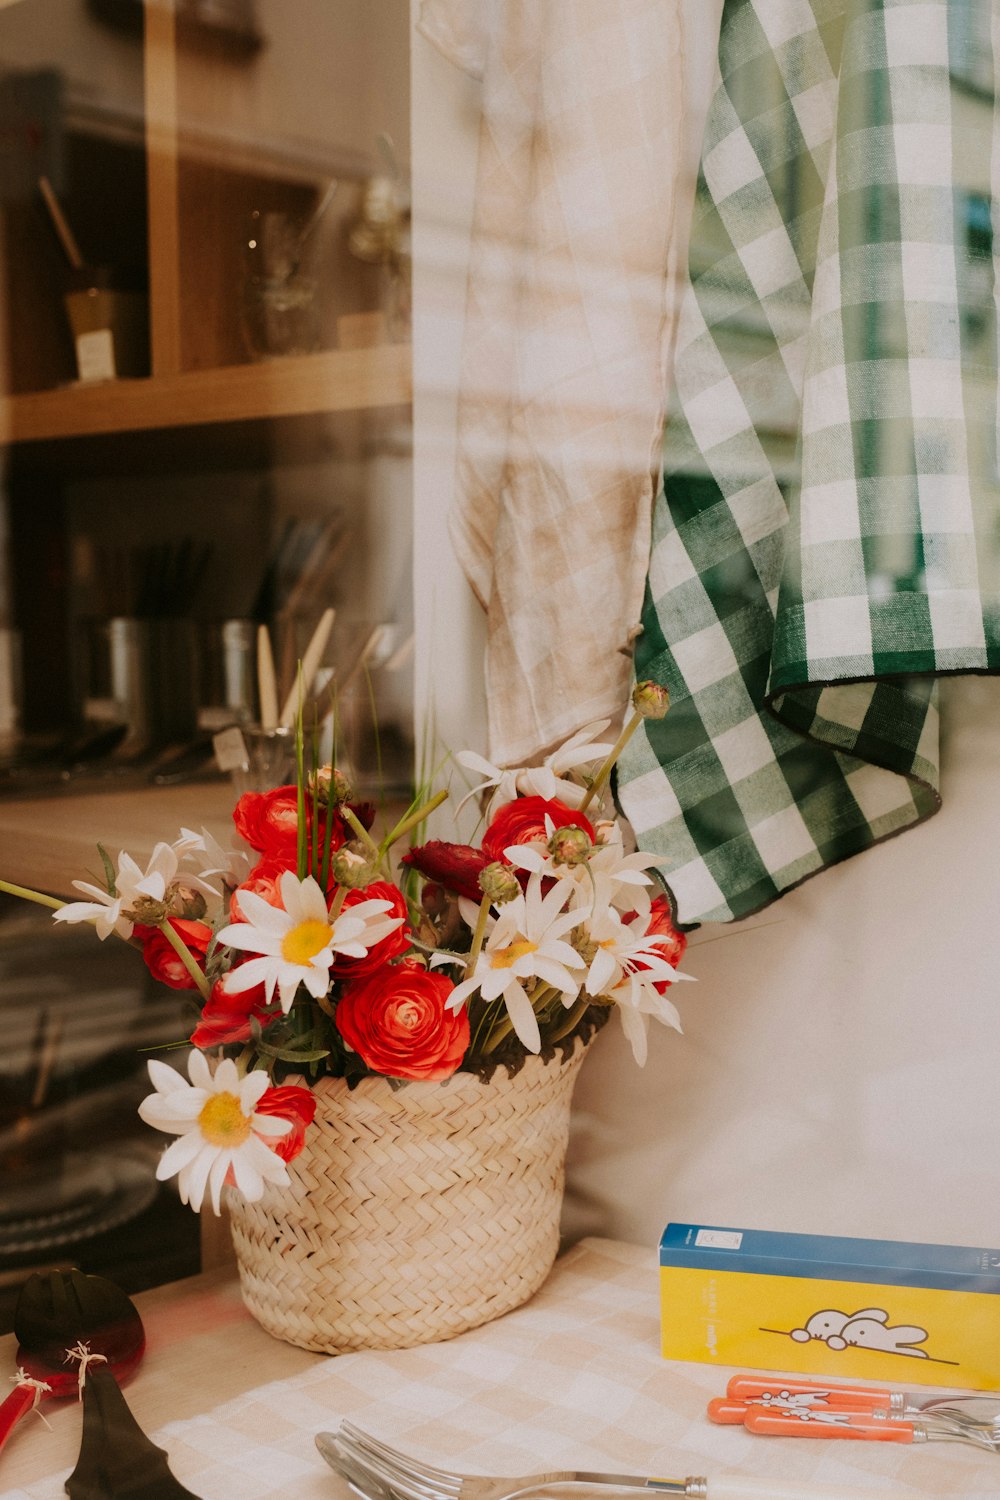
x=62, y=229
x=310, y=665
x=266, y=685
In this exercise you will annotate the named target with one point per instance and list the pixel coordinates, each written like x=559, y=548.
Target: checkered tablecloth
x=827, y=538
x=572, y=1380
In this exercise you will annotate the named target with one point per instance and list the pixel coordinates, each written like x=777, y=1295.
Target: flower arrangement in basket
x=323, y=971
x=310, y=958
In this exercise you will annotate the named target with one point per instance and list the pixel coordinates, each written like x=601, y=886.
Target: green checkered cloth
x=827, y=539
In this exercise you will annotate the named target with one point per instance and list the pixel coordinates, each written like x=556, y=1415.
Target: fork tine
x=410, y=1485
x=361, y=1480
x=441, y=1479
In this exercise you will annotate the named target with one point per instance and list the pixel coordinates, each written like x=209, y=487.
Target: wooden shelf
x=296, y=385
x=48, y=842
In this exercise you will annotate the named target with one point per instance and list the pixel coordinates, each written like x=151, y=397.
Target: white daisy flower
x=624, y=951
x=548, y=780
x=299, y=943
x=624, y=875
x=107, y=912
x=220, y=1137
x=208, y=856
x=525, y=943
x=636, y=998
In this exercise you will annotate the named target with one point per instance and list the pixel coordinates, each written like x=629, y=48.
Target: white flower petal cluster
x=548, y=780
x=106, y=911
x=298, y=941
x=593, y=923
x=220, y=1138
x=526, y=942
x=627, y=886
x=209, y=857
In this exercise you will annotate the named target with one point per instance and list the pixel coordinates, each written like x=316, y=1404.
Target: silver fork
x=375, y=1471
x=363, y=1459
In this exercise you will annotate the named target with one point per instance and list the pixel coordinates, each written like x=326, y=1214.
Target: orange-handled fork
x=811, y=1394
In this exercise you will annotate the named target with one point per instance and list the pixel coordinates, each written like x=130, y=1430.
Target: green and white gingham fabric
x=827, y=538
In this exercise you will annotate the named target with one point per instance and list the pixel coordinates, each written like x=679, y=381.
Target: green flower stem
x=337, y=903
x=573, y=1016
x=484, y=1025
x=497, y=1033
x=186, y=957
x=351, y=818
x=26, y=895
x=540, y=997
x=412, y=820
x=324, y=1005
x=600, y=780
x=302, y=841
x=478, y=935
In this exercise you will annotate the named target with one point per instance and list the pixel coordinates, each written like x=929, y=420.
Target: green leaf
x=293, y=1054
x=109, y=870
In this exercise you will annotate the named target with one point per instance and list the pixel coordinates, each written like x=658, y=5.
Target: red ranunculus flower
x=523, y=822
x=226, y=1017
x=393, y=945
x=162, y=960
x=397, y=1023
x=269, y=821
x=661, y=921
x=263, y=881
x=455, y=866
x=289, y=1103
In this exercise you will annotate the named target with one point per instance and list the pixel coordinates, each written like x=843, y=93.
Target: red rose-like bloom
x=455, y=866
x=660, y=921
x=393, y=945
x=226, y=1017
x=523, y=822
x=263, y=880
x=397, y=1023
x=162, y=960
x=288, y=1103
x=269, y=821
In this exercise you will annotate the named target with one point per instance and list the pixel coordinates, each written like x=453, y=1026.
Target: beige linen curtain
x=567, y=323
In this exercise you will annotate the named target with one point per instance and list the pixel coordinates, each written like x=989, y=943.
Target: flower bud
x=330, y=785
x=147, y=911
x=570, y=846
x=650, y=699
x=183, y=900
x=499, y=882
x=352, y=866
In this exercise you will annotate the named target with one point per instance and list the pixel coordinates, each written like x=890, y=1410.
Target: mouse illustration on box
x=868, y=1329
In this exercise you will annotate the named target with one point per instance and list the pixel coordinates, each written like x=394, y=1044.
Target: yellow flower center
x=304, y=941
x=223, y=1122
x=504, y=958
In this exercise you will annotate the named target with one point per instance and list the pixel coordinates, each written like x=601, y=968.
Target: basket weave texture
x=414, y=1214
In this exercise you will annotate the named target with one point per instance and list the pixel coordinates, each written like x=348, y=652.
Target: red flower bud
x=455, y=866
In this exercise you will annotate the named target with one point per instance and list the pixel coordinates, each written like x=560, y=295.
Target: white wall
x=840, y=1067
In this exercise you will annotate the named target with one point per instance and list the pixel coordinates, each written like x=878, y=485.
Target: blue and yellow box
x=822, y=1305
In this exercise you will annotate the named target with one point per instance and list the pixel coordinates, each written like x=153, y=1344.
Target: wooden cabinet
x=170, y=143
x=170, y=200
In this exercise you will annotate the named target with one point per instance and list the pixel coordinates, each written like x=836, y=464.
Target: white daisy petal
x=523, y=1018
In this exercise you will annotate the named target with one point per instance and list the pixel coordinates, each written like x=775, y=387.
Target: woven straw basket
x=414, y=1214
